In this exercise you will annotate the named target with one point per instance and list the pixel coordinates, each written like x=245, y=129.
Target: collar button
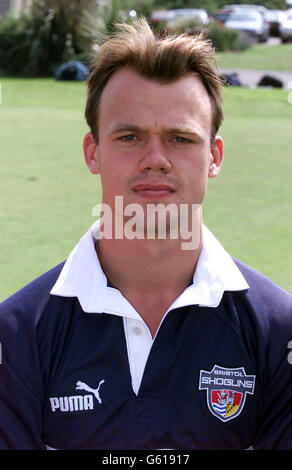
x=137, y=331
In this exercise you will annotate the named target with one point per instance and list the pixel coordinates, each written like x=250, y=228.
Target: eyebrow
x=184, y=130
x=124, y=127
x=173, y=130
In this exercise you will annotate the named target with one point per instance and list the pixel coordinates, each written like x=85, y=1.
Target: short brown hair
x=164, y=59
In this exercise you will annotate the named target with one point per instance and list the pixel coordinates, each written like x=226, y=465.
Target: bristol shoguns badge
x=226, y=390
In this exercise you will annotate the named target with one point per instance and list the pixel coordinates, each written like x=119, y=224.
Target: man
x=141, y=341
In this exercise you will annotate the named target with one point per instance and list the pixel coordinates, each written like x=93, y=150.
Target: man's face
x=154, y=141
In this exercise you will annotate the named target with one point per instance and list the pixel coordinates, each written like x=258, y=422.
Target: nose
x=154, y=158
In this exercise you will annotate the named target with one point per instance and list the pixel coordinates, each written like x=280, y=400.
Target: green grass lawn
x=249, y=205
x=47, y=193
x=259, y=57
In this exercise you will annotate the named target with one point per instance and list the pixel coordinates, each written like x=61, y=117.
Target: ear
x=90, y=150
x=217, y=152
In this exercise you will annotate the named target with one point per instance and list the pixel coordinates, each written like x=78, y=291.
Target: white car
x=286, y=27
x=161, y=16
x=247, y=6
x=249, y=21
x=187, y=15
x=275, y=18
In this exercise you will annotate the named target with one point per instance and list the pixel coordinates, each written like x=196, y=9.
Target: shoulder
x=35, y=326
x=267, y=309
x=31, y=320
x=31, y=299
x=263, y=290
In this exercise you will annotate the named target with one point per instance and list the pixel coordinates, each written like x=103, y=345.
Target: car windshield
x=243, y=17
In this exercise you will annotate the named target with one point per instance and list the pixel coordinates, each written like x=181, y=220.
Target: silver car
x=198, y=14
x=286, y=27
x=275, y=18
x=250, y=22
x=179, y=15
x=245, y=7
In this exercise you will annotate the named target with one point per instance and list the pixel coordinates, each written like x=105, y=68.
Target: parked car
x=286, y=28
x=275, y=18
x=247, y=6
x=161, y=16
x=250, y=22
x=186, y=14
x=176, y=17
x=221, y=16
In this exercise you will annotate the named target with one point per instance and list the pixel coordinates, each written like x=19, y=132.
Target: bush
x=35, y=44
x=14, y=44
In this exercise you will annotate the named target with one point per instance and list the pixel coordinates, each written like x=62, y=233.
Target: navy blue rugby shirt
x=216, y=375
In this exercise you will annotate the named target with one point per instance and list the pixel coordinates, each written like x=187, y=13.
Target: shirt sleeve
x=20, y=378
x=275, y=428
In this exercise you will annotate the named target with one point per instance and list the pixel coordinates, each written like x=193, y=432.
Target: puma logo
x=77, y=402
x=83, y=386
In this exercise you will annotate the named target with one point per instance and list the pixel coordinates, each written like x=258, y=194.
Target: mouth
x=153, y=190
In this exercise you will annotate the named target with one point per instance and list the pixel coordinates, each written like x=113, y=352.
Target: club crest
x=226, y=390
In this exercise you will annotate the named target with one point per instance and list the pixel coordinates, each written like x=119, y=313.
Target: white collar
x=82, y=277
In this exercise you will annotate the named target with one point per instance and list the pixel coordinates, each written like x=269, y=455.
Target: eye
x=182, y=140
x=128, y=138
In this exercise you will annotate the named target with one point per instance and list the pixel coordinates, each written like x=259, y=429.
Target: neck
x=146, y=263
x=150, y=274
